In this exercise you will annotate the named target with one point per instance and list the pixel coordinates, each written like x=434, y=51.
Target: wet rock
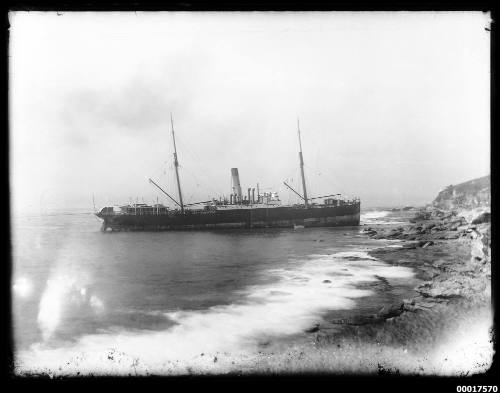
x=357, y=320
x=411, y=246
x=421, y=304
x=391, y=311
x=429, y=226
x=413, y=305
x=446, y=294
x=482, y=218
x=427, y=244
x=480, y=247
x=384, y=314
x=353, y=258
x=314, y=329
x=447, y=289
x=477, y=251
x=422, y=216
x=454, y=225
x=473, y=234
x=369, y=231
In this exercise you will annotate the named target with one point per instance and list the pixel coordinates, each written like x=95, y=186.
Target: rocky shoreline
x=443, y=329
x=450, y=250
x=451, y=254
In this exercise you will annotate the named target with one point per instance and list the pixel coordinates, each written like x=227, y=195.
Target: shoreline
x=444, y=328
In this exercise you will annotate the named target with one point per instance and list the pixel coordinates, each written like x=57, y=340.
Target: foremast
x=176, y=164
x=306, y=203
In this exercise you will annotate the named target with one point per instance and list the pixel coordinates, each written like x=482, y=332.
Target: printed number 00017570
x=477, y=389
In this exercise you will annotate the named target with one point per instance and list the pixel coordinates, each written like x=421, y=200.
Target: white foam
x=373, y=215
x=302, y=291
x=376, y=217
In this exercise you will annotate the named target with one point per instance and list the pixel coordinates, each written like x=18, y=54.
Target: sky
x=393, y=106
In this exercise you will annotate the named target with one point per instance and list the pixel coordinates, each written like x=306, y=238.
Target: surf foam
x=377, y=217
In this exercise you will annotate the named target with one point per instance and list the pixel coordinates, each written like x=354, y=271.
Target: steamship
x=253, y=210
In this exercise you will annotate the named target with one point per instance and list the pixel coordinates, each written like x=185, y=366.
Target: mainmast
x=176, y=163
x=302, y=167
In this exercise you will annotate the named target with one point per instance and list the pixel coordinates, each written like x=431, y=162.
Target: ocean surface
x=81, y=296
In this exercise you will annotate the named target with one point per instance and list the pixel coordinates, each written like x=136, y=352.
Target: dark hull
x=279, y=217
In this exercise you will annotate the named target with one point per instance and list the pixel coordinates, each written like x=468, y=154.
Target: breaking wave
x=379, y=217
x=373, y=217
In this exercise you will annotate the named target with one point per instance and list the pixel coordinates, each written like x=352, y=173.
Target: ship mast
x=302, y=167
x=176, y=163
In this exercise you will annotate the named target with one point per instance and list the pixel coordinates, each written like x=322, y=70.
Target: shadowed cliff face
x=468, y=195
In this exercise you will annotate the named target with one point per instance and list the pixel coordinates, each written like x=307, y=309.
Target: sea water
x=81, y=296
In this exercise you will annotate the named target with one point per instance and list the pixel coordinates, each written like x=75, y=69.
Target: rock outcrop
x=448, y=243
x=468, y=195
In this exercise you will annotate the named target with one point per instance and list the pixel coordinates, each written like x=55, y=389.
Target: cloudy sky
x=392, y=106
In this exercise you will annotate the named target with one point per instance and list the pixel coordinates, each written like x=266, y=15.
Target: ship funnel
x=249, y=196
x=236, y=183
x=253, y=195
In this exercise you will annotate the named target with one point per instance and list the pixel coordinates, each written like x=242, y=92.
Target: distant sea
x=158, y=297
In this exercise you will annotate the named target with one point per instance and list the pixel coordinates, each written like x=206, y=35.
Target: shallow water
x=170, y=296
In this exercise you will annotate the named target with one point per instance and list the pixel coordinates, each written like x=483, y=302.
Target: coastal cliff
x=468, y=195
x=449, y=242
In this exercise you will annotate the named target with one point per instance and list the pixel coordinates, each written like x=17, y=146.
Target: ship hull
x=278, y=217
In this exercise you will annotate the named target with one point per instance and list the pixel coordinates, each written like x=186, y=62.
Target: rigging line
x=199, y=183
x=162, y=190
x=191, y=177
x=187, y=152
x=166, y=176
x=196, y=164
x=322, y=173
